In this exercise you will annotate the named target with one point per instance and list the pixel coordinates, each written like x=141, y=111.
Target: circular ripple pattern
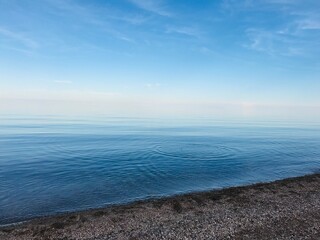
x=47, y=169
x=197, y=151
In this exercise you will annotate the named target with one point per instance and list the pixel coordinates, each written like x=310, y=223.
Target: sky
x=255, y=59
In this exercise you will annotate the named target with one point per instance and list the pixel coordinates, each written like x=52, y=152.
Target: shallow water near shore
x=51, y=165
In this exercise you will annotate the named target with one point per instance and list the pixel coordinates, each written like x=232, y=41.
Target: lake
x=51, y=165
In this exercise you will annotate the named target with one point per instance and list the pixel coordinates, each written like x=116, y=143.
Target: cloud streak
x=18, y=38
x=153, y=6
x=290, y=33
x=188, y=31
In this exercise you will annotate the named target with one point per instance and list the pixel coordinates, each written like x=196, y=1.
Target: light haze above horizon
x=251, y=59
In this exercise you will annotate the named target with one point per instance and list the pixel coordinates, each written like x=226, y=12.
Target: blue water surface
x=51, y=165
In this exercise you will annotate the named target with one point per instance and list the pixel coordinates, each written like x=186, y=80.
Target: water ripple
x=50, y=168
x=199, y=152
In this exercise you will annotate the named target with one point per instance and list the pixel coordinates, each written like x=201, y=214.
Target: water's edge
x=133, y=203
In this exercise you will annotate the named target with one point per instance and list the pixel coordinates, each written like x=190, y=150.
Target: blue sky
x=227, y=58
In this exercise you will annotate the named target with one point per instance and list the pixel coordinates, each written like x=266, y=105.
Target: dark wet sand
x=286, y=209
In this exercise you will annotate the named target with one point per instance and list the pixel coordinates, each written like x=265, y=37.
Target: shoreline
x=137, y=201
x=288, y=208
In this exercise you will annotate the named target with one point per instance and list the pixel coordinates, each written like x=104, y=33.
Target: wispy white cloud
x=134, y=20
x=189, y=31
x=287, y=35
x=290, y=38
x=19, y=50
x=154, y=6
x=259, y=2
x=103, y=19
x=281, y=1
x=260, y=40
x=309, y=24
x=206, y=51
x=264, y=5
x=18, y=38
x=275, y=43
x=99, y=15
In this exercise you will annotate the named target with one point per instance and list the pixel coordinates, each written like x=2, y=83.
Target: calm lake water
x=50, y=165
